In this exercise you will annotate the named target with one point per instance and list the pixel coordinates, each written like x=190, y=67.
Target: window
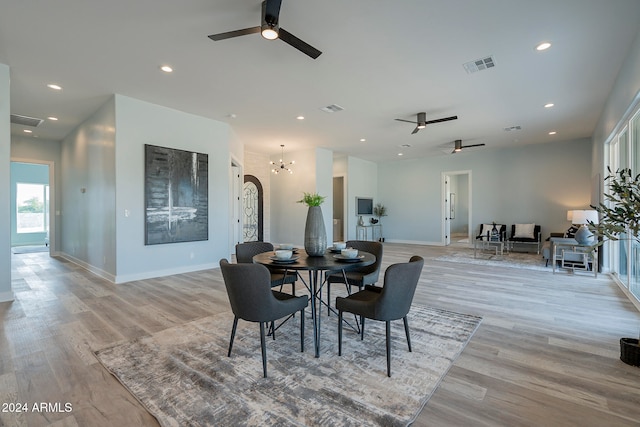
x=32, y=205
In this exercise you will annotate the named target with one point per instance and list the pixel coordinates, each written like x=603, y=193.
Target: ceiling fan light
x=422, y=125
x=269, y=32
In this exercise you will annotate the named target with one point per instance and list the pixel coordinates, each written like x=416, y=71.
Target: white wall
x=312, y=173
x=6, y=294
x=89, y=198
x=535, y=183
x=140, y=123
x=362, y=181
x=623, y=97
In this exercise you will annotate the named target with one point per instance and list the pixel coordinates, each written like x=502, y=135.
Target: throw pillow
x=524, y=231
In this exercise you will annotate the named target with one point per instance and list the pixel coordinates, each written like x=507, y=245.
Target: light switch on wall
x=127, y=213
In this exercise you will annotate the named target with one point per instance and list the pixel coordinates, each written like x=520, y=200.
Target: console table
x=572, y=255
x=362, y=232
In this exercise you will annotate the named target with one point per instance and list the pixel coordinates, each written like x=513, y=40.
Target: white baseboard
x=7, y=296
x=414, y=242
x=124, y=278
x=91, y=268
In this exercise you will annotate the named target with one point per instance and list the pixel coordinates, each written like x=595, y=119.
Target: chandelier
x=282, y=167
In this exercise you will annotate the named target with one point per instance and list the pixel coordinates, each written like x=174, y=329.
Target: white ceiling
x=381, y=60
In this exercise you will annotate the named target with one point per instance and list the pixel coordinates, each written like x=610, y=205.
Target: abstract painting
x=176, y=195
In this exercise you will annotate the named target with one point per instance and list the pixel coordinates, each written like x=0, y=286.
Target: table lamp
x=583, y=217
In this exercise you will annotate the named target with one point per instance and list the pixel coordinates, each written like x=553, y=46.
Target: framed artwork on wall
x=176, y=194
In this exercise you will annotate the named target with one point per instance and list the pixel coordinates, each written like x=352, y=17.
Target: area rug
x=184, y=378
x=527, y=261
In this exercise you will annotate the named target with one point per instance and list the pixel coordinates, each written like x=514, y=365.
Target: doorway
x=456, y=194
x=338, y=209
x=31, y=207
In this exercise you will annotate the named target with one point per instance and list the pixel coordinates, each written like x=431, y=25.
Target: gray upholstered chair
x=253, y=300
x=245, y=253
x=387, y=303
x=360, y=277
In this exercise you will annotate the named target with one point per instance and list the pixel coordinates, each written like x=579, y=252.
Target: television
x=364, y=206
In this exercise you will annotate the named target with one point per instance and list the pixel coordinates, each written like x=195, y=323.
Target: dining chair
x=389, y=302
x=245, y=253
x=360, y=277
x=252, y=299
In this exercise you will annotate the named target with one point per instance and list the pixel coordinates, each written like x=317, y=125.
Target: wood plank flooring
x=546, y=353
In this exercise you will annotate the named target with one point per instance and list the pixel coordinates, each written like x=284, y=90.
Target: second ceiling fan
x=458, y=146
x=271, y=30
x=422, y=121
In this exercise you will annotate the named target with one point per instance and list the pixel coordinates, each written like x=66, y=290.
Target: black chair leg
x=388, y=330
x=406, y=331
x=273, y=330
x=340, y=333
x=328, y=298
x=233, y=334
x=263, y=346
x=362, y=328
x=302, y=331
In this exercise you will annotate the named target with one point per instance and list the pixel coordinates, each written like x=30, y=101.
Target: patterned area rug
x=184, y=378
x=530, y=261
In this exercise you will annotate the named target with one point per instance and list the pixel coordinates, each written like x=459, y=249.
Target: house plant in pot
x=379, y=211
x=315, y=235
x=620, y=220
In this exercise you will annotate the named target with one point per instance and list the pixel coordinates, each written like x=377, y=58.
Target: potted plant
x=315, y=235
x=379, y=211
x=620, y=220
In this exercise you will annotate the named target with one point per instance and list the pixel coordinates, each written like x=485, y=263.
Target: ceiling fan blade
x=473, y=145
x=445, y=119
x=236, y=33
x=415, y=130
x=408, y=121
x=303, y=47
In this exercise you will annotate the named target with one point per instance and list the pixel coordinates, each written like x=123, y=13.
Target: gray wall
x=89, y=197
x=5, y=159
x=103, y=202
x=535, y=183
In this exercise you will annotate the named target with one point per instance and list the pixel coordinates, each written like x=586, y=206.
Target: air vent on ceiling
x=510, y=128
x=479, y=64
x=25, y=120
x=333, y=108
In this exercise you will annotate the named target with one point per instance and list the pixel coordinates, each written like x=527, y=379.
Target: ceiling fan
x=422, y=122
x=458, y=146
x=271, y=30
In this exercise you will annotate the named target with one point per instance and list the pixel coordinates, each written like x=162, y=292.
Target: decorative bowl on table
x=349, y=253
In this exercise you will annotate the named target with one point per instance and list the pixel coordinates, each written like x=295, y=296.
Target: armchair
x=526, y=234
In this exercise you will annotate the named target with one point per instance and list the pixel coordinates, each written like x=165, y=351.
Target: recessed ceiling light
x=400, y=154
x=166, y=68
x=553, y=132
x=300, y=117
x=543, y=46
x=54, y=86
x=549, y=105
x=55, y=119
x=27, y=131
x=363, y=140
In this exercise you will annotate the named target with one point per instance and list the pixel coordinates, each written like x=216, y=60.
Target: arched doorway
x=252, y=207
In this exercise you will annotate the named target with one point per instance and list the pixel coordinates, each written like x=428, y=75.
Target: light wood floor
x=546, y=353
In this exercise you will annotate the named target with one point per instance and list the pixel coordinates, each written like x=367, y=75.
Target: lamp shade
x=584, y=216
x=570, y=216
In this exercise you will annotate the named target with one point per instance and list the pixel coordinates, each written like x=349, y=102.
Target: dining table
x=329, y=263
